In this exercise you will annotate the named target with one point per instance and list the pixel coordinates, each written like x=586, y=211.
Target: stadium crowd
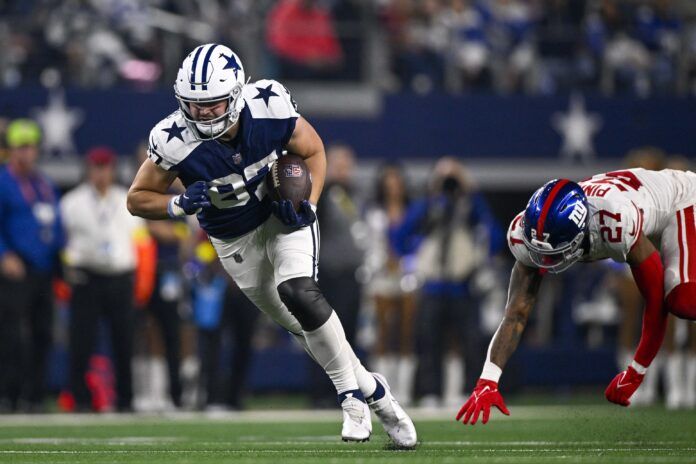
x=640, y=47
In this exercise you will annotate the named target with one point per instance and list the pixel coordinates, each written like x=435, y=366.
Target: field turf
x=533, y=434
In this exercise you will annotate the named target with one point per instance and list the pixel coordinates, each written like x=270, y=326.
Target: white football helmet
x=211, y=72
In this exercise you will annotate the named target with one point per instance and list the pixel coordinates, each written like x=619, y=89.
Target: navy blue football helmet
x=555, y=225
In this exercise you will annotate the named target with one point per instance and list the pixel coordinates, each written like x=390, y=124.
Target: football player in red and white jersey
x=624, y=215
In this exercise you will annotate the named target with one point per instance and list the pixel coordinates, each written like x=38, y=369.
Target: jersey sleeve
x=515, y=242
x=269, y=99
x=170, y=141
x=617, y=222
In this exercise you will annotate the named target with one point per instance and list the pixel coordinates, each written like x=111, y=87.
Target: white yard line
x=283, y=416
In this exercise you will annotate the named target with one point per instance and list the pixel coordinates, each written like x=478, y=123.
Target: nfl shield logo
x=237, y=158
x=293, y=170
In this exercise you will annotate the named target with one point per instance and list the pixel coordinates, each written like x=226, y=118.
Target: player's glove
x=191, y=201
x=485, y=395
x=624, y=386
x=284, y=211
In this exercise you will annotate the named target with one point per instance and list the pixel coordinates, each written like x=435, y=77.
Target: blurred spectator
x=658, y=27
x=417, y=41
x=161, y=305
x=454, y=233
x=340, y=242
x=512, y=36
x=31, y=237
x=301, y=35
x=469, y=47
x=100, y=258
x=391, y=285
x=564, y=58
x=221, y=309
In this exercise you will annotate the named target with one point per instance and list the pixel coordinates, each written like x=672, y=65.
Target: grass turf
x=592, y=434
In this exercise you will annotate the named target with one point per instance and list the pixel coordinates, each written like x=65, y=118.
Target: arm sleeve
x=649, y=276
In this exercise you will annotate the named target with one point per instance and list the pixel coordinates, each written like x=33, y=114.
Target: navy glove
x=191, y=201
x=284, y=211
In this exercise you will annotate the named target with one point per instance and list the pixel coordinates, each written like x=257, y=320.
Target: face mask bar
x=213, y=128
x=556, y=260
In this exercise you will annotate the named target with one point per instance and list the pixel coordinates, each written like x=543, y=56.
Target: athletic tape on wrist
x=638, y=367
x=491, y=372
x=173, y=208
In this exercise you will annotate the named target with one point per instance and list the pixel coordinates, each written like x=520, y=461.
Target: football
x=289, y=179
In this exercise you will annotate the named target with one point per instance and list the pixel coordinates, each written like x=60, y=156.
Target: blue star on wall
x=266, y=93
x=231, y=63
x=175, y=132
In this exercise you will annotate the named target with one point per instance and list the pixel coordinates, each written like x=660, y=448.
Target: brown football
x=289, y=179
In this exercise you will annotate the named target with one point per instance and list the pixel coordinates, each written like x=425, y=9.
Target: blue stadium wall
x=408, y=126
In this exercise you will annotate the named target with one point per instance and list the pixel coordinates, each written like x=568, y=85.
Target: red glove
x=485, y=395
x=624, y=386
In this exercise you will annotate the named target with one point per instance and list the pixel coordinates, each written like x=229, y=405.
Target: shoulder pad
x=269, y=99
x=170, y=141
x=515, y=242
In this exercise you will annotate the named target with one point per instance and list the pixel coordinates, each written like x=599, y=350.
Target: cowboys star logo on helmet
x=210, y=73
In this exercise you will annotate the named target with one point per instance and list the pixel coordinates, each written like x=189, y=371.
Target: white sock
x=366, y=382
x=691, y=381
x=332, y=352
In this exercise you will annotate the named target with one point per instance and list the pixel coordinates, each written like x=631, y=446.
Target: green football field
x=533, y=434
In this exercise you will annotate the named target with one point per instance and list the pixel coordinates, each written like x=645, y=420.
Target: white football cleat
x=394, y=419
x=357, y=423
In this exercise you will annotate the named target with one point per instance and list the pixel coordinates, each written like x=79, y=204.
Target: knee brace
x=681, y=301
x=304, y=300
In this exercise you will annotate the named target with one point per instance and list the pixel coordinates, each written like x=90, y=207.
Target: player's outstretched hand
x=485, y=395
x=624, y=386
x=284, y=211
x=194, y=199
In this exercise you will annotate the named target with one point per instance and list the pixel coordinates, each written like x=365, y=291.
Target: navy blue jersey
x=233, y=171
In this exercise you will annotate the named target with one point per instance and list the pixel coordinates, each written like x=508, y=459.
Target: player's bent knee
x=681, y=301
x=305, y=301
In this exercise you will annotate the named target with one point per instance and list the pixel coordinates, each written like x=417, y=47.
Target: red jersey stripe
x=680, y=243
x=690, y=252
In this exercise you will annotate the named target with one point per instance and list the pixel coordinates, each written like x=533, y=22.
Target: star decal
x=577, y=127
x=58, y=122
x=231, y=63
x=266, y=93
x=175, y=132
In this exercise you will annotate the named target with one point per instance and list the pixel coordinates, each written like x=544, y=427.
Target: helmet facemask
x=216, y=127
x=555, y=259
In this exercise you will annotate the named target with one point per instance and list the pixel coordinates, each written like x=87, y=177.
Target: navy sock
x=354, y=393
x=378, y=394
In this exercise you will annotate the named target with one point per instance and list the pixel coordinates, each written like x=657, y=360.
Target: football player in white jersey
x=624, y=215
x=220, y=143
